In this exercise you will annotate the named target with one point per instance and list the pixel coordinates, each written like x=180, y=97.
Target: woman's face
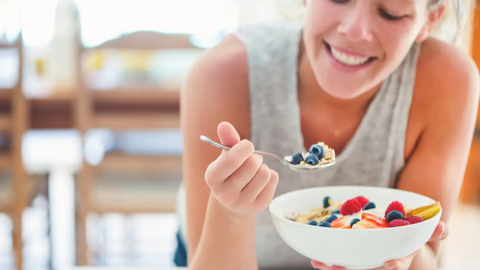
x=353, y=45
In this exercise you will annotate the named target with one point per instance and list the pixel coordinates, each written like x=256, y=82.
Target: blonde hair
x=449, y=28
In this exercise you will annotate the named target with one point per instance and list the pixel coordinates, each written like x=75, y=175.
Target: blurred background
x=90, y=146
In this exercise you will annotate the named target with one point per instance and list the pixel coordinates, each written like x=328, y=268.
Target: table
x=178, y=268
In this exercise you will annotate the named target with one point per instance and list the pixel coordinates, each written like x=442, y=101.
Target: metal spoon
x=285, y=160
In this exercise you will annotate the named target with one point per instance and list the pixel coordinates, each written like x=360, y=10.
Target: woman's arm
x=448, y=84
x=216, y=90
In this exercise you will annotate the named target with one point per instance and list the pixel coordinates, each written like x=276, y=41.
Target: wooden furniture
x=14, y=122
x=104, y=188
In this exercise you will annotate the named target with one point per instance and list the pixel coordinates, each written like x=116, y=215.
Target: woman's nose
x=356, y=25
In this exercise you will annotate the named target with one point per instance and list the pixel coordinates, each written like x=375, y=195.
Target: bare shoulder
x=218, y=84
x=447, y=78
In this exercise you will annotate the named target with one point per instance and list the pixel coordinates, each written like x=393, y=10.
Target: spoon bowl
x=285, y=160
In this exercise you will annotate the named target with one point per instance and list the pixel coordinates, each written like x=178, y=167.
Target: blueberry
x=394, y=215
x=312, y=159
x=370, y=205
x=324, y=224
x=336, y=212
x=317, y=150
x=355, y=220
x=326, y=202
x=297, y=158
x=331, y=218
x=312, y=222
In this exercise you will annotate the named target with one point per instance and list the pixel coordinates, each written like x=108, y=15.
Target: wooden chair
x=17, y=194
x=108, y=186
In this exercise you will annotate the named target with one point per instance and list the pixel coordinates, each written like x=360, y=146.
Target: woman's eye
x=388, y=16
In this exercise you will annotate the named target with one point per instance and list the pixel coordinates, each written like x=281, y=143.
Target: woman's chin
x=343, y=92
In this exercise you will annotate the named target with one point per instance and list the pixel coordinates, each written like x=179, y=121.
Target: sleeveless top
x=373, y=157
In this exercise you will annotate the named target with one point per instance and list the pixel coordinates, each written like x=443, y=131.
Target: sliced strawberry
x=368, y=224
x=350, y=207
x=341, y=223
x=380, y=221
x=362, y=200
x=396, y=205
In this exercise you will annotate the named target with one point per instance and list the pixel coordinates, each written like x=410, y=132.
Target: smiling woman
x=363, y=76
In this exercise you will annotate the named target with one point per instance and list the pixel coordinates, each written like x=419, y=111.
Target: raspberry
x=396, y=205
x=362, y=200
x=398, y=223
x=350, y=207
x=414, y=219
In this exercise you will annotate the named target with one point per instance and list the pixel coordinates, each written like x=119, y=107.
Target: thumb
x=227, y=134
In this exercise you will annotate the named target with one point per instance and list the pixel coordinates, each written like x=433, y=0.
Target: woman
x=364, y=77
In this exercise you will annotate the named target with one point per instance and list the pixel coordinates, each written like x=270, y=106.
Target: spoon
x=285, y=160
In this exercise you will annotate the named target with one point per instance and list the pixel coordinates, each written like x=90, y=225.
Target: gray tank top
x=373, y=157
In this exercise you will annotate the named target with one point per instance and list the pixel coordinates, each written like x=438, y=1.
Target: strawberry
x=414, y=219
x=398, y=223
x=362, y=200
x=350, y=207
x=368, y=224
x=380, y=221
x=341, y=223
x=396, y=205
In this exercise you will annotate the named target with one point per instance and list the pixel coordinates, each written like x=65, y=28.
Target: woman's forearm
x=227, y=241
x=425, y=260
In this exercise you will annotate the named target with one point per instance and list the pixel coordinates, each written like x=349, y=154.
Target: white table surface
x=182, y=268
x=175, y=268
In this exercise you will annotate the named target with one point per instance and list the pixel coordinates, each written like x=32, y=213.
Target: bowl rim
x=423, y=223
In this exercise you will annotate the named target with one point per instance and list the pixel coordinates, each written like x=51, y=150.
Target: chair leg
x=83, y=184
x=17, y=215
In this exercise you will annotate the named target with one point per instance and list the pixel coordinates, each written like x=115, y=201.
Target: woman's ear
x=433, y=17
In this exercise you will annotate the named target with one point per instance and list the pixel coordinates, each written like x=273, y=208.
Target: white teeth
x=348, y=59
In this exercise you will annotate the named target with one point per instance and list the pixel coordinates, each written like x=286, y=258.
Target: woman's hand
x=441, y=232
x=239, y=179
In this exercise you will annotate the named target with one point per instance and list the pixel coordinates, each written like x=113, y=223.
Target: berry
x=395, y=206
x=312, y=159
x=355, y=220
x=327, y=202
x=312, y=222
x=336, y=212
x=331, y=218
x=398, y=223
x=414, y=219
x=369, y=224
x=362, y=200
x=317, y=150
x=324, y=224
x=370, y=205
x=374, y=218
x=350, y=207
x=297, y=158
x=341, y=223
x=392, y=215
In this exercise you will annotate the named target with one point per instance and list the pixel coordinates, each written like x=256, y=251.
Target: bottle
x=64, y=47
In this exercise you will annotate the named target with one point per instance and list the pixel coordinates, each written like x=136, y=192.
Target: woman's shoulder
x=217, y=87
x=447, y=78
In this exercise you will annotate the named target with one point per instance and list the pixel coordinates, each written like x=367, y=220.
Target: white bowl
x=352, y=249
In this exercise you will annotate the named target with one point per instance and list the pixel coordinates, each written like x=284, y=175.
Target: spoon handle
x=208, y=140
